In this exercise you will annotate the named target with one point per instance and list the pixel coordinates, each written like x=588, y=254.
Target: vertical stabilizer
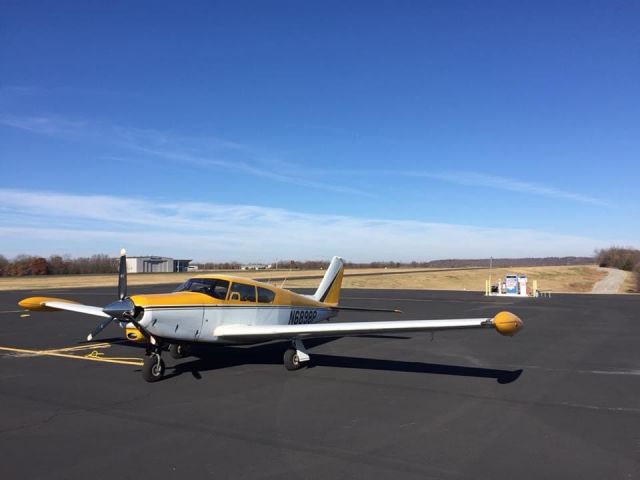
x=329, y=289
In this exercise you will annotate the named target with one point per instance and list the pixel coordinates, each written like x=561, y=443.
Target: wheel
x=153, y=368
x=177, y=351
x=291, y=360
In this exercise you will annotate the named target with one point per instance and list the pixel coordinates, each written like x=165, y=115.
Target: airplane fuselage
x=189, y=316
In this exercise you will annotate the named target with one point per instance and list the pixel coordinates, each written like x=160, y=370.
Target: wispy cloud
x=475, y=179
x=509, y=184
x=47, y=222
x=44, y=125
x=211, y=153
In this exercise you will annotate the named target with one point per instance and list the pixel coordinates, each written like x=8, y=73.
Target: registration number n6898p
x=302, y=316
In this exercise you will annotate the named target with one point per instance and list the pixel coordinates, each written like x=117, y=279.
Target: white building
x=153, y=264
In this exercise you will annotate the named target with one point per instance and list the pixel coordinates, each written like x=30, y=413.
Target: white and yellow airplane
x=227, y=310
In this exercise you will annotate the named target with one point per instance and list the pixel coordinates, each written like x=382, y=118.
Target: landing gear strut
x=296, y=357
x=153, y=367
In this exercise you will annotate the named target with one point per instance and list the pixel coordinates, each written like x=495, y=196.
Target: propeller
x=122, y=275
x=123, y=308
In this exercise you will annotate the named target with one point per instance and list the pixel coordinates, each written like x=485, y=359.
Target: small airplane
x=230, y=310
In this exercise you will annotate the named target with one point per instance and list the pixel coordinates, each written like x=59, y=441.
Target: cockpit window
x=265, y=295
x=211, y=286
x=242, y=292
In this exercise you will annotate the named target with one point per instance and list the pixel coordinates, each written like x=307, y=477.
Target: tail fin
x=329, y=289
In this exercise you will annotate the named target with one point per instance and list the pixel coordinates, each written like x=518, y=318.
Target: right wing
x=52, y=304
x=505, y=323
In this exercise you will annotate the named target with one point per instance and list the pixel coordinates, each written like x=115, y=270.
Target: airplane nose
x=120, y=309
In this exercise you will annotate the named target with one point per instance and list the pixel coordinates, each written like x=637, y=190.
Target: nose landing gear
x=153, y=366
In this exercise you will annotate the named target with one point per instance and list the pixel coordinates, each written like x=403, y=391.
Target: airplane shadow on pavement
x=214, y=358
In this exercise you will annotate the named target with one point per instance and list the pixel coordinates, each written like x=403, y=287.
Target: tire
x=153, y=368
x=291, y=360
x=177, y=351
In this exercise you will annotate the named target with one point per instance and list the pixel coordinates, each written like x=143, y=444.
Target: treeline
x=619, y=257
x=623, y=258
x=218, y=266
x=482, y=262
x=23, y=265
x=449, y=263
x=60, y=265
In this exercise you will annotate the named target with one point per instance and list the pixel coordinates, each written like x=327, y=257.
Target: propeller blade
x=122, y=275
x=99, y=328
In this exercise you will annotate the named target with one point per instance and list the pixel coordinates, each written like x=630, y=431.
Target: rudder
x=329, y=289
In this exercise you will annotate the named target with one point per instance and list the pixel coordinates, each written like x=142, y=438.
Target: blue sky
x=372, y=130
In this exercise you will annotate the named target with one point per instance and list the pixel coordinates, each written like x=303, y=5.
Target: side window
x=211, y=286
x=242, y=292
x=220, y=289
x=265, y=296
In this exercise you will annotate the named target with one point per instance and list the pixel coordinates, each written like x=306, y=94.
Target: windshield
x=211, y=286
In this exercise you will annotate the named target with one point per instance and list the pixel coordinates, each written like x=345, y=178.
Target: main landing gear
x=153, y=367
x=178, y=351
x=295, y=357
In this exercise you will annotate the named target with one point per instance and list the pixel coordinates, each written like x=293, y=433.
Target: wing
x=53, y=304
x=505, y=323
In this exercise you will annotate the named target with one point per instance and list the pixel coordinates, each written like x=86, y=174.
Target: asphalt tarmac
x=559, y=400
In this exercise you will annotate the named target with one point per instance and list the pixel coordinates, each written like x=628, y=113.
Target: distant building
x=153, y=264
x=255, y=266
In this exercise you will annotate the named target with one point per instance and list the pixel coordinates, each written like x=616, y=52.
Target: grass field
x=79, y=281
x=629, y=285
x=577, y=279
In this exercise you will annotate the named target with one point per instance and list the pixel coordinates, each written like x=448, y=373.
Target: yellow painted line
x=90, y=357
x=96, y=354
x=79, y=347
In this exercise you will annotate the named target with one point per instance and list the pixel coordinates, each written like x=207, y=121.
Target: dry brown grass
x=557, y=279
x=629, y=284
x=80, y=281
x=579, y=279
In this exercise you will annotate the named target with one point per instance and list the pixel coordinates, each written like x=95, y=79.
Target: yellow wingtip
x=506, y=323
x=37, y=304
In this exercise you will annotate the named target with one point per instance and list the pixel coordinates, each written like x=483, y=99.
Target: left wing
x=505, y=323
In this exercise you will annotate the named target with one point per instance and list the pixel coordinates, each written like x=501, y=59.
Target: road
x=611, y=283
x=560, y=400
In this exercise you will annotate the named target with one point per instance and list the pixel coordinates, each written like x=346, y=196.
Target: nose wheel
x=153, y=367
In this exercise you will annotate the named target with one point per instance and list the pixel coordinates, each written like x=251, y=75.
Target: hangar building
x=156, y=264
